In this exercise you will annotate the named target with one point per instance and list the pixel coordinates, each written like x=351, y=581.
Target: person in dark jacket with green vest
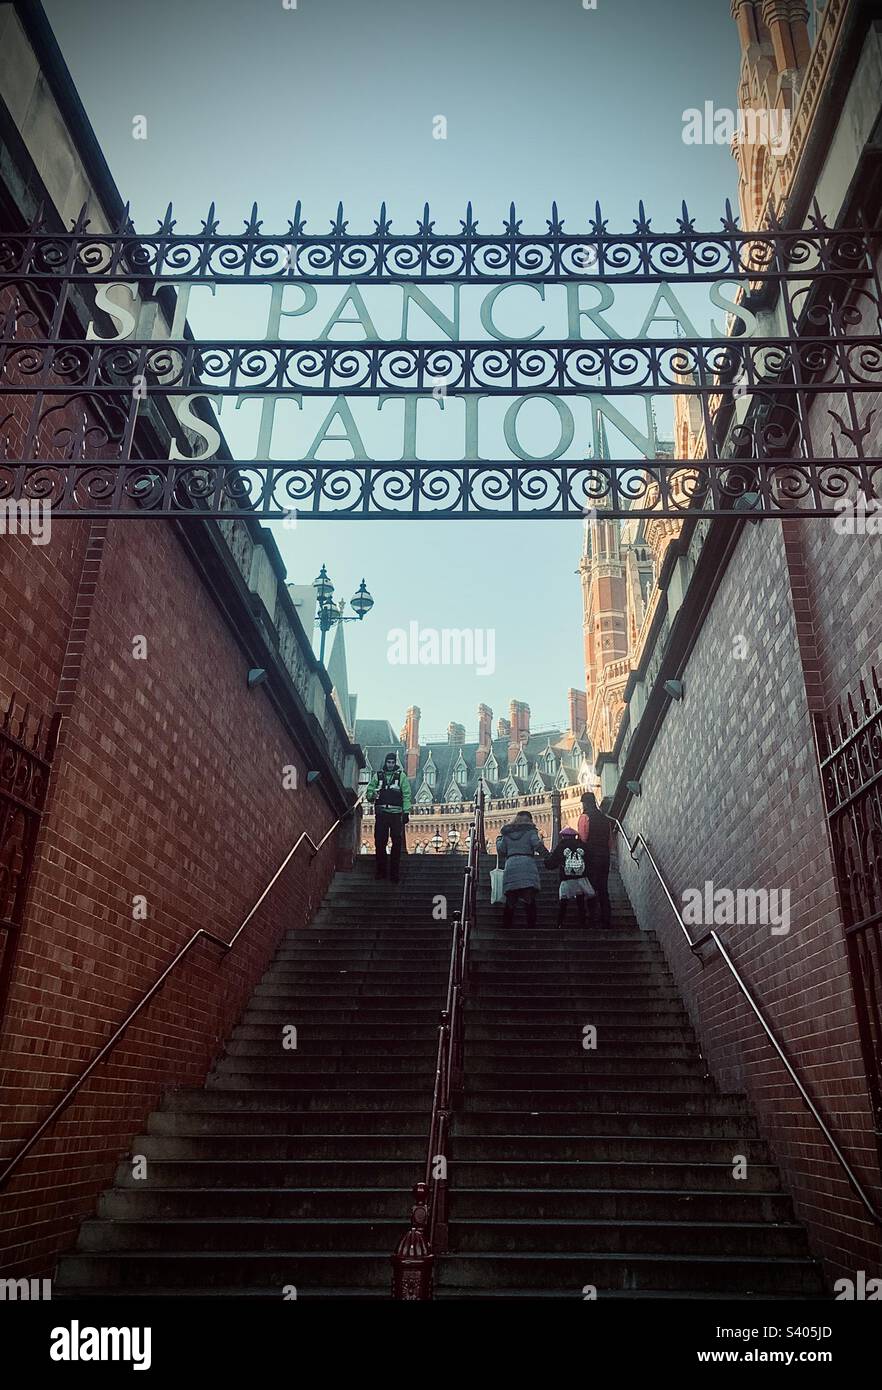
x=389, y=793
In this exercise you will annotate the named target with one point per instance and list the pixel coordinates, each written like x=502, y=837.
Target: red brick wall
x=167, y=783
x=731, y=794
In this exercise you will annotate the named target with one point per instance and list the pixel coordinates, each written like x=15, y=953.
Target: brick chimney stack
x=411, y=740
x=503, y=728
x=485, y=736
x=456, y=734
x=578, y=702
x=519, y=728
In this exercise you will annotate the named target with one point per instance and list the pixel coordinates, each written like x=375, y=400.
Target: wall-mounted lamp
x=634, y=788
x=674, y=689
x=749, y=502
x=256, y=676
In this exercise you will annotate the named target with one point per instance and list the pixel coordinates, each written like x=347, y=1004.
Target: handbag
x=497, y=876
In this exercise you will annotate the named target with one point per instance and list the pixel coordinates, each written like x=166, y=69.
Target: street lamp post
x=328, y=612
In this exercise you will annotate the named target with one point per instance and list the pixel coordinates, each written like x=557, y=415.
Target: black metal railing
x=712, y=938
x=414, y=1258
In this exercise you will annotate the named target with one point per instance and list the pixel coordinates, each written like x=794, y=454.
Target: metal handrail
x=413, y=1258
x=713, y=937
x=201, y=932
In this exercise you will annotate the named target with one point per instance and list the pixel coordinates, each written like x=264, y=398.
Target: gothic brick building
x=619, y=570
x=520, y=769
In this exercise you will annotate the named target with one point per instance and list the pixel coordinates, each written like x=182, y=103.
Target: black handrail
x=711, y=937
x=413, y=1259
x=115, y=1037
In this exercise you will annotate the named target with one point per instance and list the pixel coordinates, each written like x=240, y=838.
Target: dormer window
x=430, y=775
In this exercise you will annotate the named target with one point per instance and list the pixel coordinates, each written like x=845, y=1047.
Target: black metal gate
x=783, y=418
x=27, y=746
x=850, y=751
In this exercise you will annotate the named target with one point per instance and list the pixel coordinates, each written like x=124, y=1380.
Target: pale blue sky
x=335, y=100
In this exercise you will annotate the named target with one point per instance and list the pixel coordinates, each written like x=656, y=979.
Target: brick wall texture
x=731, y=794
x=167, y=784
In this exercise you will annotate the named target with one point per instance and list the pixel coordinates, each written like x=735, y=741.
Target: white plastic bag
x=496, y=878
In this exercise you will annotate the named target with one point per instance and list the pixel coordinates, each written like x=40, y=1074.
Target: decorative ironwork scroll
x=26, y=749
x=85, y=412
x=850, y=751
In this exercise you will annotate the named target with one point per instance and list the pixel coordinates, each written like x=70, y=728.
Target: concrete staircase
x=609, y=1168
x=292, y=1168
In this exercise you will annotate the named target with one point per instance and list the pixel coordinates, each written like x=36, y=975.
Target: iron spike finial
x=818, y=220
x=82, y=220
x=852, y=712
x=554, y=223
x=729, y=220
x=469, y=226
x=642, y=222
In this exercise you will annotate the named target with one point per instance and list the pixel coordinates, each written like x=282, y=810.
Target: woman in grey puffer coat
x=517, y=845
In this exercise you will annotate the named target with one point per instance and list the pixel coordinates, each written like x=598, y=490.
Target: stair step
x=616, y=1204
x=227, y=1268
x=257, y=1203
x=189, y=1163
x=572, y=1271
x=356, y=1124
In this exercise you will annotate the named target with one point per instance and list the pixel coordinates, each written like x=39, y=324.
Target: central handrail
x=413, y=1259
x=711, y=936
x=199, y=934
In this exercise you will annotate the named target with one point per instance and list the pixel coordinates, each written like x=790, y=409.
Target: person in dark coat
x=595, y=831
x=570, y=857
x=517, y=845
